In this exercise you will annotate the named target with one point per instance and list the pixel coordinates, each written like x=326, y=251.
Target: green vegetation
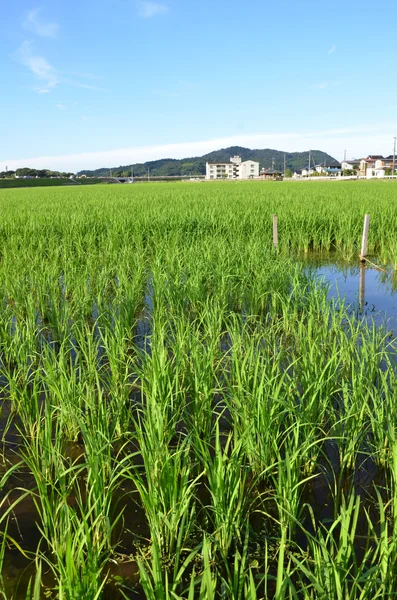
x=185, y=414
x=43, y=182
x=44, y=173
x=191, y=167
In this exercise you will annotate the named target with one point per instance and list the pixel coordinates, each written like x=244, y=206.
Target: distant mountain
x=196, y=165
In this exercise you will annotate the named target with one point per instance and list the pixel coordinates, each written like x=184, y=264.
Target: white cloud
x=38, y=65
x=61, y=106
x=361, y=141
x=34, y=24
x=320, y=86
x=85, y=86
x=42, y=70
x=332, y=49
x=148, y=9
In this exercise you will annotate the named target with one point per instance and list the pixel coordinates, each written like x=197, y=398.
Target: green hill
x=196, y=165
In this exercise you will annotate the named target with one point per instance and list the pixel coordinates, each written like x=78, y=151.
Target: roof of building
x=270, y=172
x=326, y=165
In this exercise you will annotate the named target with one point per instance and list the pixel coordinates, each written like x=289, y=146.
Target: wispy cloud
x=38, y=65
x=44, y=71
x=60, y=106
x=360, y=140
x=332, y=49
x=36, y=25
x=148, y=9
x=91, y=76
x=85, y=86
x=325, y=84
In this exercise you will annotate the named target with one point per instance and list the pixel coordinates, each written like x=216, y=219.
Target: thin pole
x=275, y=231
x=362, y=287
x=284, y=164
x=364, y=241
x=394, y=157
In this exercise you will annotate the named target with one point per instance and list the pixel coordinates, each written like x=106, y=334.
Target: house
x=367, y=165
x=331, y=168
x=307, y=171
x=384, y=164
x=271, y=174
x=350, y=165
x=235, y=169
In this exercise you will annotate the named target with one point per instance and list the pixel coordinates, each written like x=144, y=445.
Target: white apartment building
x=235, y=169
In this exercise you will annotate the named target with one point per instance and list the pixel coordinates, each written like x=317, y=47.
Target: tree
x=288, y=173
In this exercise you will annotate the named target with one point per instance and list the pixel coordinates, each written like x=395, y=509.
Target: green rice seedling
x=202, y=370
x=230, y=490
x=160, y=583
x=208, y=579
x=239, y=582
x=166, y=489
x=332, y=569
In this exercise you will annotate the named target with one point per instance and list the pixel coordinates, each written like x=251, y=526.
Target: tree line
x=28, y=172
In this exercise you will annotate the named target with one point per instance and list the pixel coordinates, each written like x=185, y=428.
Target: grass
x=44, y=182
x=185, y=413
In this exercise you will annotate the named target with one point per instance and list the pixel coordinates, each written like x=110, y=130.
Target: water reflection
x=370, y=292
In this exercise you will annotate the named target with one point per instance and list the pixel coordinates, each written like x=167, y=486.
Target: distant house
x=368, y=166
x=271, y=174
x=307, y=171
x=350, y=165
x=330, y=168
x=383, y=164
x=235, y=169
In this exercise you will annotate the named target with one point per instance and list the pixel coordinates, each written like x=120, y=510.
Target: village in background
x=224, y=168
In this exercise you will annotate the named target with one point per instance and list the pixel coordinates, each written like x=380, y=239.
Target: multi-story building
x=235, y=169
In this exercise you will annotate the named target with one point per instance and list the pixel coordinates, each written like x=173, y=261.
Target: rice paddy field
x=186, y=413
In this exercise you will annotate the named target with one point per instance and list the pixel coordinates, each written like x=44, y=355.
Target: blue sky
x=97, y=83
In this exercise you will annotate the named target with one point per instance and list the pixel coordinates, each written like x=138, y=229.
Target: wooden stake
x=362, y=288
x=364, y=242
x=275, y=231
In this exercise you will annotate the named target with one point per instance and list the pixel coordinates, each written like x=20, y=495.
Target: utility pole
x=309, y=166
x=344, y=156
x=394, y=156
x=284, y=164
x=272, y=163
x=148, y=174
